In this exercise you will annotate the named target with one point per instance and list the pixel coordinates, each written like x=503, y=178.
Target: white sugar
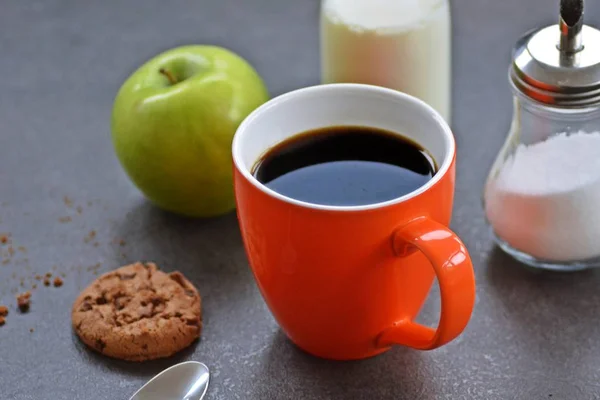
x=545, y=200
x=559, y=164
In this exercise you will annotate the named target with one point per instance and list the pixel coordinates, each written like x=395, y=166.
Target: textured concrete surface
x=532, y=336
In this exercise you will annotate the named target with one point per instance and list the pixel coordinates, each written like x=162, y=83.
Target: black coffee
x=345, y=166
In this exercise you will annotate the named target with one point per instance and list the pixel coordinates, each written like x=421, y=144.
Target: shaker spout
x=571, y=26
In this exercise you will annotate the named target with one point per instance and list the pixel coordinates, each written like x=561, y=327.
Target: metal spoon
x=184, y=381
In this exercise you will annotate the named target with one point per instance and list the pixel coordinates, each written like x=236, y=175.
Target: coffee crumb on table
x=90, y=236
x=23, y=301
x=3, y=311
x=94, y=268
x=4, y=238
x=31, y=330
x=64, y=219
x=58, y=282
x=68, y=202
x=2, y=321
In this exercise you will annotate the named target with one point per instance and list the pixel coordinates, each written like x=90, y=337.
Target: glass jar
x=400, y=44
x=542, y=195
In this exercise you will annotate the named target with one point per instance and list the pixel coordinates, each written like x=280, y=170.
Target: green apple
x=173, y=122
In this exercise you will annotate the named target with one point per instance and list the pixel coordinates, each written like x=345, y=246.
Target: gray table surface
x=532, y=336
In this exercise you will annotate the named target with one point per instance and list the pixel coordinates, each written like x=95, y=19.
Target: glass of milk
x=400, y=44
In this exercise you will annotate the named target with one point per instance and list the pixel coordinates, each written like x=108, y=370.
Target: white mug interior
x=342, y=104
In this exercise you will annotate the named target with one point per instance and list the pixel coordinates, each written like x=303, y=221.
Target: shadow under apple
x=209, y=252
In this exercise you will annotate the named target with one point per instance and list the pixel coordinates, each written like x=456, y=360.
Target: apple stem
x=169, y=76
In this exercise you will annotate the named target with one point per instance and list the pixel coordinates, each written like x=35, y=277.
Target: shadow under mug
x=346, y=282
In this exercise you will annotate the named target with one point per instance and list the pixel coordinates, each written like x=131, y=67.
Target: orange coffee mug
x=346, y=282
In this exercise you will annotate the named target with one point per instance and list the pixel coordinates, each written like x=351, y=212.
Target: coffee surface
x=345, y=166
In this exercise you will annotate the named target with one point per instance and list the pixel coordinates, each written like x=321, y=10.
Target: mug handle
x=456, y=280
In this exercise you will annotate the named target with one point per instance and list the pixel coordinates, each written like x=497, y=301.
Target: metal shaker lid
x=560, y=64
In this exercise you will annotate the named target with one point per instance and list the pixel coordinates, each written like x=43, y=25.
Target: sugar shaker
x=542, y=195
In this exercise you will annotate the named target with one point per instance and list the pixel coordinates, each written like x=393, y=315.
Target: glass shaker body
x=542, y=195
x=400, y=44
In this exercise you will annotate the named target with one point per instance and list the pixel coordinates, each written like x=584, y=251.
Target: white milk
x=400, y=44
